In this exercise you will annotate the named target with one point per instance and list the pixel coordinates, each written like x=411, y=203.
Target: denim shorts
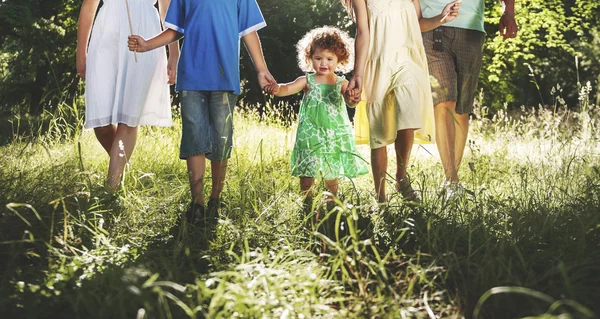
x=207, y=120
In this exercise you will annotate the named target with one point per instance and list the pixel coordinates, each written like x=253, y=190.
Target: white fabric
x=118, y=89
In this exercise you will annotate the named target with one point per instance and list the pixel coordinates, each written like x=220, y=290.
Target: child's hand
x=272, y=89
x=450, y=11
x=137, y=44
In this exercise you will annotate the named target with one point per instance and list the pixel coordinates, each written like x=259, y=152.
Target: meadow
x=524, y=242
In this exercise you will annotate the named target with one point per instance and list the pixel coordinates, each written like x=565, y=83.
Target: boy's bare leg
x=120, y=153
x=196, y=166
x=219, y=170
x=106, y=136
x=379, y=164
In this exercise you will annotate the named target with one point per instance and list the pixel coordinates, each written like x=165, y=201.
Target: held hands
x=272, y=89
x=450, y=11
x=354, y=89
x=137, y=44
x=266, y=79
x=508, y=26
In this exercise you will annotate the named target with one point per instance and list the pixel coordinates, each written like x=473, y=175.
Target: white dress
x=118, y=89
x=397, y=89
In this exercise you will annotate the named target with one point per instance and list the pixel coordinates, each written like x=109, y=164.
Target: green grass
x=527, y=243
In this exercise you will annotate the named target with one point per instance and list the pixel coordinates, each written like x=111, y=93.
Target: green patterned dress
x=324, y=139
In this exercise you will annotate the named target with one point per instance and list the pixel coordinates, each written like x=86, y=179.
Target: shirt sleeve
x=175, y=18
x=250, y=17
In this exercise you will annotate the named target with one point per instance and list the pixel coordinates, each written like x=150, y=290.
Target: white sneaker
x=453, y=190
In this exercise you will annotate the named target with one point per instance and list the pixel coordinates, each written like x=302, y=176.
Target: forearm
x=509, y=7
x=168, y=36
x=361, y=46
x=254, y=48
x=428, y=24
x=174, y=50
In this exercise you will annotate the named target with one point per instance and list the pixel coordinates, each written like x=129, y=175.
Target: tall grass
x=526, y=242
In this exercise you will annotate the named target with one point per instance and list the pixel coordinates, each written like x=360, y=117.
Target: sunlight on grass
x=530, y=221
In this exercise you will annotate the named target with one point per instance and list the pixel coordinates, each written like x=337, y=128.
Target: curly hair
x=326, y=38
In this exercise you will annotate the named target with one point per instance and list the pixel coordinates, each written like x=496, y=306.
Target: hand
x=172, y=69
x=265, y=78
x=137, y=44
x=354, y=89
x=450, y=11
x=272, y=89
x=508, y=26
x=81, y=60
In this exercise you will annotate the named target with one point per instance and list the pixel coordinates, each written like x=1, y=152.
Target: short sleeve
x=250, y=17
x=175, y=18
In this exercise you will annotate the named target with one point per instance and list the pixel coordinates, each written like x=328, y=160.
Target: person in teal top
x=324, y=139
x=454, y=55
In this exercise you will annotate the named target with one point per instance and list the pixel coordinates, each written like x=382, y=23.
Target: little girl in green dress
x=324, y=140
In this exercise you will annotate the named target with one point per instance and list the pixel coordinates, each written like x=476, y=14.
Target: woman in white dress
x=123, y=89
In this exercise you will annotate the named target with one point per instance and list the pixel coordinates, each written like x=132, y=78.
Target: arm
x=163, y=5
x=349, y=102
x=84, y=29
x=255, y=50
x=508, y=25
x=139, y=44
x=361, y=46
x=449, y=13
x=288, y=88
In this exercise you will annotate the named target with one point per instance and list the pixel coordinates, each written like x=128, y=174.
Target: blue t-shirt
x=210, y=55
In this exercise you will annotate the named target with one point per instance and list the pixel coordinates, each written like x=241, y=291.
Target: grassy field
x=525, y=243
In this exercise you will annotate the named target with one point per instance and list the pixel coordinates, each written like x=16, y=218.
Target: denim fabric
x=207, y=120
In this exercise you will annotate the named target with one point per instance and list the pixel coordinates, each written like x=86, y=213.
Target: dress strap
x=310, y=78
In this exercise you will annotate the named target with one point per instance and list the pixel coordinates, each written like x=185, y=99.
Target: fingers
x=171, y=75
x=134, y=43
x=508, y=28
x=271, y=88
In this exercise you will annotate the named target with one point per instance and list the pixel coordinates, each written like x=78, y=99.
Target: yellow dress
x=396, y=86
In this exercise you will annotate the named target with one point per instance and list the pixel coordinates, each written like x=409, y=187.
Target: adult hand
x=354, y=88
x=137, y=44
x=265, y=78
x=451, y=11
x=508, y=26
x=81, y=64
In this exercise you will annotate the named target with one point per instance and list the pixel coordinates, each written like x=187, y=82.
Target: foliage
x=38, y=40
x=552, y=33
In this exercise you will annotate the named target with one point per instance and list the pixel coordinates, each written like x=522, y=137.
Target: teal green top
x=470, y=16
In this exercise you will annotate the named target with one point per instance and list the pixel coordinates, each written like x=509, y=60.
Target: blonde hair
x=326, y=38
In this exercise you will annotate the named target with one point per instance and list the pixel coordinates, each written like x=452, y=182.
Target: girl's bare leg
x=120, y=153
x=379, y=164
x=106, y=136
x=403, y=145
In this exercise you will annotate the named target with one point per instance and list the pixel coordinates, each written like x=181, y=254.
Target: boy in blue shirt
x=209, y=82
